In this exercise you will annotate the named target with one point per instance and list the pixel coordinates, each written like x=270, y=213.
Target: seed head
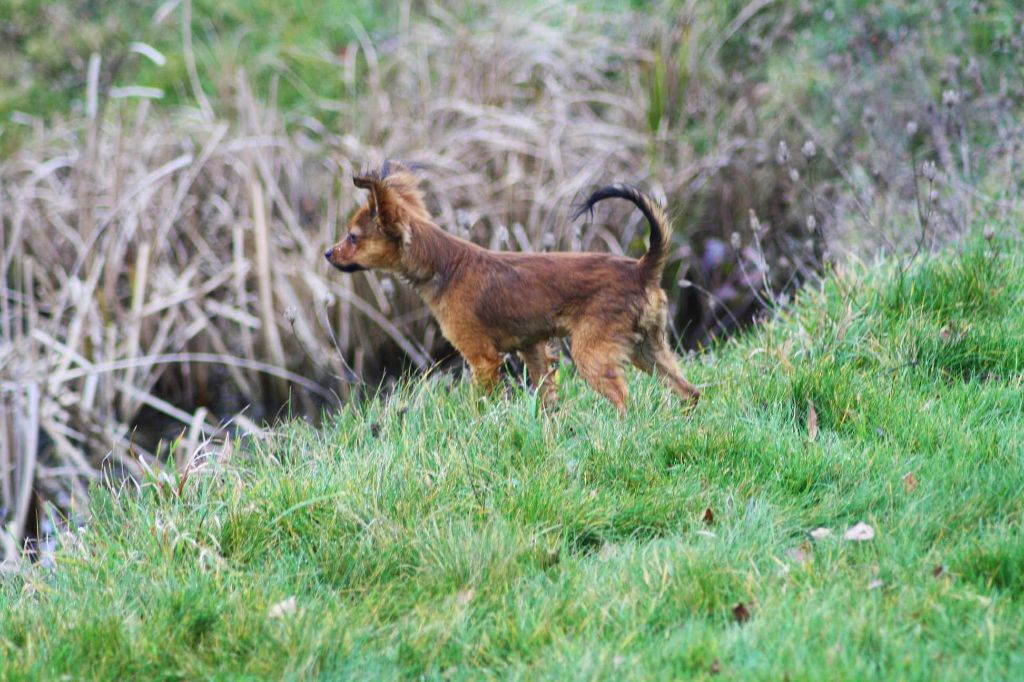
x=812, y=223
x=950, y=98
x=911, y=128
x=290, y=313
x=735, y=240
x=928, y=170
x=755, y=223
x=809, y=150
x=782, y=155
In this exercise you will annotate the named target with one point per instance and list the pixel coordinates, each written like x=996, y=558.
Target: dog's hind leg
x=599, y=361
x=539, y=359
x=604, y=376
x=655, y=356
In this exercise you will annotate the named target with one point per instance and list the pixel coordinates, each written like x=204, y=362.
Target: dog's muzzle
x=352, y=267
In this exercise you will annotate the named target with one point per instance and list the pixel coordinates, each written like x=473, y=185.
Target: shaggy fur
x=489, y=303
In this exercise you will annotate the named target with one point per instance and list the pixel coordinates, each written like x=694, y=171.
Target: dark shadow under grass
x=437, y=535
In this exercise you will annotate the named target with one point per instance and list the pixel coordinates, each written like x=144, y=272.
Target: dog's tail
x=652, y=262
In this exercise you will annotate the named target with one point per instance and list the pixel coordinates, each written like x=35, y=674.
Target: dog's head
x=383, y=226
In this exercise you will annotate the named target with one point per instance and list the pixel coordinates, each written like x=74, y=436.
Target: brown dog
x=489, y=303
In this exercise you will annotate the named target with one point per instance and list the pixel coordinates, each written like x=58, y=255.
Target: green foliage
x=436, y=534
x=46, y=48
x=292, y=50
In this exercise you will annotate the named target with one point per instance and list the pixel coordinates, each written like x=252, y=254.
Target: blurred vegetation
x=292, y=49
x=849, y=73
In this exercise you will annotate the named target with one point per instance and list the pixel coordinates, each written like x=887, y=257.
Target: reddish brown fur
x=489, y=303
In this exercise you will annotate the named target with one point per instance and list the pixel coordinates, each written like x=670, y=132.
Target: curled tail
x=652, y=262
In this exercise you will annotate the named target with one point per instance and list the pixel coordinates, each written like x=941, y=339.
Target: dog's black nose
x=327, y=254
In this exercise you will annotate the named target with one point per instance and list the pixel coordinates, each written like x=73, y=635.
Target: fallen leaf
x=860, y=532
x=939, y=571
x=812, y=422
x=820, y=533
x=798, y=555
x=285, y=607
x=709, y=516
x=909, y=482
x=741, y=613
x=715, y=668
x=463, y=597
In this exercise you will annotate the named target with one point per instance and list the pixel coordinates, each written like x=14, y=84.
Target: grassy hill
x=433, y=534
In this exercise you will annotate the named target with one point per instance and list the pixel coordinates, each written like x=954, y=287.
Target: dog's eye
x=352, y=239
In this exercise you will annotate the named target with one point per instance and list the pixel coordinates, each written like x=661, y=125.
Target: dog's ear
x=371, y=184
x=391, y=211
x=387, y=205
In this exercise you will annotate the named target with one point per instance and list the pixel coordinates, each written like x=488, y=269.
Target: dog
x=489, y=303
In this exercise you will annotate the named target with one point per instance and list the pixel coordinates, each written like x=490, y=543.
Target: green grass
x=436, y=535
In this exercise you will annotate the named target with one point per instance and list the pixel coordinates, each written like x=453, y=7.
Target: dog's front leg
x=484, y=363
x=476, y=348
